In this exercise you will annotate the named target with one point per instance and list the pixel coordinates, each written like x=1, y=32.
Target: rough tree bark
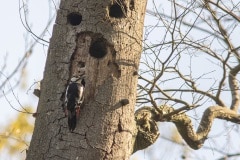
x=104, y=37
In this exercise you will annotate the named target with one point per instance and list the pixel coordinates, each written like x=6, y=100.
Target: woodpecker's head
x=79, y=80
x=76, y=79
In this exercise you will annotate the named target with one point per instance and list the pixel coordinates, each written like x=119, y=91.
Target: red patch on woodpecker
x=77, y=111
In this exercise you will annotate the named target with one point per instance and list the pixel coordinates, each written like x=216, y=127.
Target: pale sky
x=12, y=43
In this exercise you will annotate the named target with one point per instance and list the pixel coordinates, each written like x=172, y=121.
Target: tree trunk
x=105, y=39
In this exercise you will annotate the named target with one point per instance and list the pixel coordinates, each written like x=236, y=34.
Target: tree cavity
x=117, y=10
x=74, y=18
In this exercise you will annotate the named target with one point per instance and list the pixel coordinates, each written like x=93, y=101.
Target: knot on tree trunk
x=147, y=128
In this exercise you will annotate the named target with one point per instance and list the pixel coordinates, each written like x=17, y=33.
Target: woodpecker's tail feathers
x=72, y=120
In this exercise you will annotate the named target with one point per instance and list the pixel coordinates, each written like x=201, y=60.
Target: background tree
x=194, y=67
x=179, y=44
x=191, y=34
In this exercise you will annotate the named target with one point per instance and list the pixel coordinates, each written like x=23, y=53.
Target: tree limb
x=146, y=118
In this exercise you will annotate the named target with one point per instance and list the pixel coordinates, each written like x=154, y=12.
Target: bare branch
x=222, y=30
x=194, y=139
x=234, y=87
x=227, y=11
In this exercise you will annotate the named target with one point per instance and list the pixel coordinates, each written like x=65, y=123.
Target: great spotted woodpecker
x=73, y=100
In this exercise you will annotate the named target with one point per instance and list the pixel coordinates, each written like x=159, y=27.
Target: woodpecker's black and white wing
x=73, y=100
